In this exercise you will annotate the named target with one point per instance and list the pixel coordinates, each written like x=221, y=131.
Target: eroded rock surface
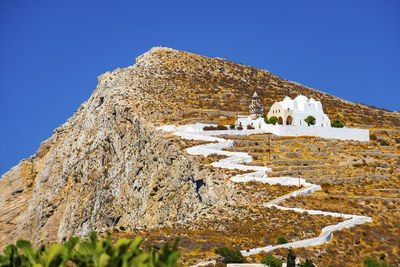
x=105, y=167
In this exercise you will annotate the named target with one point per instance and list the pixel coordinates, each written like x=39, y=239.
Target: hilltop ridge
x=196, y=84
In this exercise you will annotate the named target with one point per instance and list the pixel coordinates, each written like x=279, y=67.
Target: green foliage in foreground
x=271, y=261
x=94, y=253
x=229, y=255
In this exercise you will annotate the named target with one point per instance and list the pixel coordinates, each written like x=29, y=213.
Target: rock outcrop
x=107, y=166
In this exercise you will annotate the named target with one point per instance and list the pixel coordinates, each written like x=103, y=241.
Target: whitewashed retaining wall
x=290, y=130
x=324, y=132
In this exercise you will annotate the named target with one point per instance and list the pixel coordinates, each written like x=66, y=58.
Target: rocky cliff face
x=104, y=167
x=107, y=166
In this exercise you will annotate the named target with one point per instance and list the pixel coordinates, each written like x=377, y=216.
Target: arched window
x=280, y=120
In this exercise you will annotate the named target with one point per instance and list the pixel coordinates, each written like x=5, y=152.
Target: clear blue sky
x=51, y=52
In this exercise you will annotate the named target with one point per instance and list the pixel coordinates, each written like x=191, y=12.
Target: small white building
x=294, y=111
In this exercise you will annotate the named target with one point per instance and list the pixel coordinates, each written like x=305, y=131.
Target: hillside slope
x=196, y=86
x=107, y=167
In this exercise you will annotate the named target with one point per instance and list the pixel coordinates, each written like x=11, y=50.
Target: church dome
x=301, y=98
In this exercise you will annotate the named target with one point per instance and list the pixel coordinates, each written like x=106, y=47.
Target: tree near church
x=310, y=120
x=273, y=120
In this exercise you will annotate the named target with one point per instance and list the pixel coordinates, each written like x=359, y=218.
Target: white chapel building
x=291, y=114
x=288, y=111
x=294, y=111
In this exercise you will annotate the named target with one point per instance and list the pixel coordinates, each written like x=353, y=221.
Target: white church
x=291, y=114
x=294, y=111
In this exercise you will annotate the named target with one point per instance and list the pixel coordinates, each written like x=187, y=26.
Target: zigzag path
x=235, y=160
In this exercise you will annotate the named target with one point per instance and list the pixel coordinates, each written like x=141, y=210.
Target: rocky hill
x=108, y=168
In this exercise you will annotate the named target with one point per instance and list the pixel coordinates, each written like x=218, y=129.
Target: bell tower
x=255, y=108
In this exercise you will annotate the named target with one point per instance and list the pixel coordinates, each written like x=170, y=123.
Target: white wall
x=321, y=120
x=257, y=123
x=324, y=132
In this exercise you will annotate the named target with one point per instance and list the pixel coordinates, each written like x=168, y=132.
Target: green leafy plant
x=310, y=120
x=23, y=254
x=93, y=252
x=273, y=120
x=232, y=126
x=307, y=263
x=281, y=240
x=336, y=123
x=291, y=258
x=271, y=261
x=229, y=255
x=266, y=120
